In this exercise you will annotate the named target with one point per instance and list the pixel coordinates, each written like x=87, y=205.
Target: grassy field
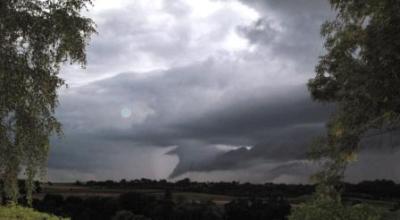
x=19, y=213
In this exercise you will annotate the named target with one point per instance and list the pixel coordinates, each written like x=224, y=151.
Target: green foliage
x=334, y=210
x=327, y=204
x=36, y=37
x=360, y=73
x=19, y=213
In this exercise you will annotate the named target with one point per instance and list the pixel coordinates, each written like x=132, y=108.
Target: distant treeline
x=377, y=189
x=222, y=188
x=135, y=206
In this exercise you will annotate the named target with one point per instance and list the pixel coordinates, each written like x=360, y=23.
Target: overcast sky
x=210, y=89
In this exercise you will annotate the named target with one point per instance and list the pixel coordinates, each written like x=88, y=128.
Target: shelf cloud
x=211, y=90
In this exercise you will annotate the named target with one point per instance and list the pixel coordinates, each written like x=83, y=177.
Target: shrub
x=13, y=212
x=335, y=210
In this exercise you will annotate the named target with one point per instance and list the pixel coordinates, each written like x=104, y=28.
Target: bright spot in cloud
x=226, y=148
x=248, y=147
x=204, y=8
x=234, y=42
x=126, y=112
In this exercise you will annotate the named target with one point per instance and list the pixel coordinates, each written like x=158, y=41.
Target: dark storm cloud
x=226, y=114
x=140, y=36
x=195, y=108
x=280, y=130
x=289, y=7
x=289, y=29
x=256, y=99
x=291, y=144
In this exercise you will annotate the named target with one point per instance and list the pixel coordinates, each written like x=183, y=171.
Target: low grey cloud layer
x=211, y=91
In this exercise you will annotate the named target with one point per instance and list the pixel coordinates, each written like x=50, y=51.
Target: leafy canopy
x=361, y=70
x=360, y=74
x=36, y=38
